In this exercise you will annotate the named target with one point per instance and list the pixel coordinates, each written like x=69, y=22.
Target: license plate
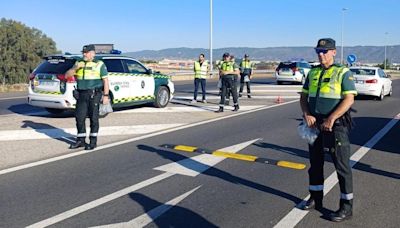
x=47, y=83
x=48, y=86
x=359, y=81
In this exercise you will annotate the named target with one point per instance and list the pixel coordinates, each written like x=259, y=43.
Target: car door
x=118, y=80
x=385, y=81
x=143, y=86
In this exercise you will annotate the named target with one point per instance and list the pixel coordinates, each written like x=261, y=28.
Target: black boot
x=312, y=204
x=236, y=108
x=92, y=144
x=80, y=142
x=315, y=201
x=345, y=211
x=221, y=109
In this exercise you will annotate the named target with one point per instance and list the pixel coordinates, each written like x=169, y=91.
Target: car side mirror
x=149, y=71
x=388, y=75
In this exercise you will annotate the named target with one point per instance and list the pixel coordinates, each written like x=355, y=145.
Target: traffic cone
x=279, y=100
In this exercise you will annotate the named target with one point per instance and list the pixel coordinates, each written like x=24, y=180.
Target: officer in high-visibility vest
x=326, y=98
x=92, y=83
x=201, y=69
x=228, y=70
x=246, y=69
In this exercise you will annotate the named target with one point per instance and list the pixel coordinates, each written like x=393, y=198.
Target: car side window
x=134, y=67
x=381, y=73
x=114, y=65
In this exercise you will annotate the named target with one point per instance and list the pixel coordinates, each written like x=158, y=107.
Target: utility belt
x=343, y=121
x=228, y=76
x=92, y=92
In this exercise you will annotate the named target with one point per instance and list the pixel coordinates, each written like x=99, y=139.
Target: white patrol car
x=131, y=83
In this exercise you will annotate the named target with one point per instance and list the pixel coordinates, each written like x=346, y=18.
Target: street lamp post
x=384, y=61
x=341, y=51
x=211, y=36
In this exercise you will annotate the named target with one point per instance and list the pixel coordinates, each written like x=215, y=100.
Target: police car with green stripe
x=131, y=83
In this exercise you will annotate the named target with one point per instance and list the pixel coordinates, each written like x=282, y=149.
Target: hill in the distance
x=365, y=54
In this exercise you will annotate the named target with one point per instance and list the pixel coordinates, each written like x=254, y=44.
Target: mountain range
x=364, y=54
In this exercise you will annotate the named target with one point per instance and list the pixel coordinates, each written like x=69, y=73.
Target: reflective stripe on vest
x=91, y=71
x=245, y=64
x=227, y=66
x=331, y=82
x=200, y=71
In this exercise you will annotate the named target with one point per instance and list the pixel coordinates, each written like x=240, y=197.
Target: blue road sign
x=351, y=59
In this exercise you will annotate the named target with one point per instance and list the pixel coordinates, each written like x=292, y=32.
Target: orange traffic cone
x=279, y=100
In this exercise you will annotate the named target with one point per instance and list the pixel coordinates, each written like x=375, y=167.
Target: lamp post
x=211, y=36
x=384, y=61
x=341, y=51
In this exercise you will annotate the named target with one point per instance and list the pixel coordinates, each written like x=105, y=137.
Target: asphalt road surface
x=131, y=181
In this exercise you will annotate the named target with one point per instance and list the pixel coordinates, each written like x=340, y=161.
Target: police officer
x=228, y=70
x=246, y=67
x=92, y=83
x=201, y=69
x=327, y=95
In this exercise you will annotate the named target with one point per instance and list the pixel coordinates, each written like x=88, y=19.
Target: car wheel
x=382, y=95
x=55, y=110
x=162, y=97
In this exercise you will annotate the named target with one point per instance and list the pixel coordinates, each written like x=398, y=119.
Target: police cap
x=326, y=44
x=226, y=54
x=88, y=48
x=246, y=55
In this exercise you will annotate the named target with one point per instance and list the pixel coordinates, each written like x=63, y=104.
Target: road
x=131, y=181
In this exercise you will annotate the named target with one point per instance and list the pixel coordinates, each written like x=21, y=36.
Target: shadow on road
x=214, y=172
x=50, y=131
x=176, y=216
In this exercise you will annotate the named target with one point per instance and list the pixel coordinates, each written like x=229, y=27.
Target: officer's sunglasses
x=323, y=51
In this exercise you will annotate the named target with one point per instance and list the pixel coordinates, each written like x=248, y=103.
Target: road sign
x=351, y=59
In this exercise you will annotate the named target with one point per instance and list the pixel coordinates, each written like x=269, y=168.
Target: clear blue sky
x=134, y=25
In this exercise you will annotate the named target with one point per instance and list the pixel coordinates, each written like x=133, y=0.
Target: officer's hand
x=80, y=65
x=310, y=120
x=327, y=125
x=106, y=100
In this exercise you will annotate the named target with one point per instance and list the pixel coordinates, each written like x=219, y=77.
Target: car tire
x=162, y=97
x=55, y=111
x=382, y=95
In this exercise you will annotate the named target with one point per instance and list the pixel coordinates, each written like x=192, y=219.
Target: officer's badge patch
x=322, y=42
x=351, y=78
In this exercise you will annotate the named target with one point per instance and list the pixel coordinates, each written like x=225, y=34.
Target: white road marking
x=198, y=164
x=12, y=135
x=296, y=214
x=244, y=97
x=172, y=171
x=70, y=155
x=199, y=108
x=152, y=215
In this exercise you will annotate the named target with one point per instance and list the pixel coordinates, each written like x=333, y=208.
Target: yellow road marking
x=185, y=148
x=292, y=165
x=243, y=157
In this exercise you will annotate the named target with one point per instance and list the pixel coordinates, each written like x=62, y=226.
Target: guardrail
x=215, y=72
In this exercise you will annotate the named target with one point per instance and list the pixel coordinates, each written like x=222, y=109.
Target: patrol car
x=131, y=83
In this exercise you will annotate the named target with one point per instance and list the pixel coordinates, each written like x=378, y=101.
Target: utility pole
x=341, y=52
x=384, y=61
x=211, y=36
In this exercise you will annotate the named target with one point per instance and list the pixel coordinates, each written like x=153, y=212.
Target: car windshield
x=55, y=66
x=363, y=71
x=286, y=65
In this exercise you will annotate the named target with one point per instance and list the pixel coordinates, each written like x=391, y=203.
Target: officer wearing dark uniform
x=246, y=68
x=92, y=86
x=326, y=98
x=228, y=70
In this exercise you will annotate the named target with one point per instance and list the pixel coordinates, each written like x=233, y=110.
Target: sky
x=135, y=25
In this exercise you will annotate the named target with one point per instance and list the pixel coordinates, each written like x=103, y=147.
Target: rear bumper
x=57, y=101
x=368, y=90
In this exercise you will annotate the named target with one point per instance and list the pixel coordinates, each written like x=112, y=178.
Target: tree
x=21, y=50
